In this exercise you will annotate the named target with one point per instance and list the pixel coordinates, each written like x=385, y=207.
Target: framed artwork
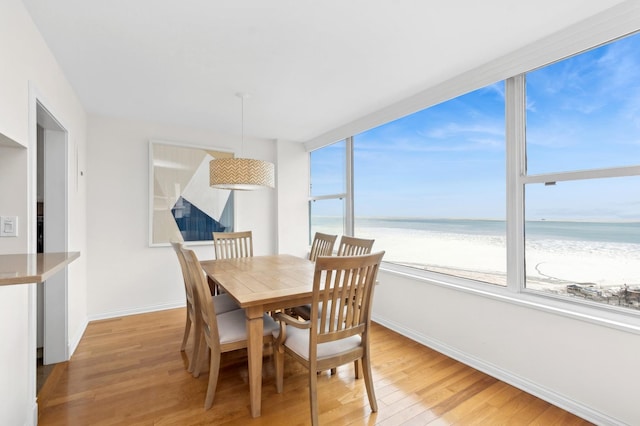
x=182, y=205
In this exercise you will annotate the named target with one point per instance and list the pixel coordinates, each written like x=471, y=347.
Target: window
x=584, y=112
x=327, y=216
x=431, y=188
x=328, y=170
x=328, y=192
x=582, y=190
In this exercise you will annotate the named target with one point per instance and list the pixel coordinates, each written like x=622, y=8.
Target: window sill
x=606, y=315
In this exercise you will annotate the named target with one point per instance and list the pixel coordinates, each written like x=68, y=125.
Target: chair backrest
x=186, y=277
x=231, y=245
x=322, y=245
x=344, y=285
x=203, y=303
x=352, y=246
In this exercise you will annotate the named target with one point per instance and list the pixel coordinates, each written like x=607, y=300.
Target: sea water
x=620, y=232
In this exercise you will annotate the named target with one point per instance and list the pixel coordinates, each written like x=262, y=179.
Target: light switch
x=8, y=226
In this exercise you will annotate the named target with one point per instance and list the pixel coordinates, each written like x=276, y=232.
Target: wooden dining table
x=261, y=284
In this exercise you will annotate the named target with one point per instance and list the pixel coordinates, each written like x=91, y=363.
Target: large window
x=431, y=188
x=582, y=193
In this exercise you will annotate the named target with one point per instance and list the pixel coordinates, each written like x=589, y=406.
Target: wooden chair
x=231, y=245
x=352, y=246
x=342, y=295
x=349, y=246
x=220, y=333
x=223, y=303
x=322, y=245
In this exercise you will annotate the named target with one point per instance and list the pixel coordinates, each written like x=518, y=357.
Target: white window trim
x=347, y=196
x=583, y=175
x=515, y=119
x=349, y=214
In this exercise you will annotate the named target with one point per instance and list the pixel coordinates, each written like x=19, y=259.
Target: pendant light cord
x=242, y=96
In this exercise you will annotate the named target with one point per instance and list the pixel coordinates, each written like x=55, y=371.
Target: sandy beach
x=551, y=265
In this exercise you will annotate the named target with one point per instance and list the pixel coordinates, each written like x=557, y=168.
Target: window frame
x=517, y=179
x=347, y=195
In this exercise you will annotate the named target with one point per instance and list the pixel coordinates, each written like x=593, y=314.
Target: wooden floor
x=130, y=371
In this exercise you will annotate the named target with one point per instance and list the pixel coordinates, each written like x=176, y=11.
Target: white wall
x=583, y=367
x=292, y=183
x=125, y=274
x=28, y=69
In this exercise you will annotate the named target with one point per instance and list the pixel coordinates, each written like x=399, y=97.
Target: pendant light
x=241, y=173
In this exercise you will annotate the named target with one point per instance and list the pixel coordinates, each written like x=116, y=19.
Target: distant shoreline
x=434, y=218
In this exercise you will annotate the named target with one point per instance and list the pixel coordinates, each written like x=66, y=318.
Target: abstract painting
x=182, y=205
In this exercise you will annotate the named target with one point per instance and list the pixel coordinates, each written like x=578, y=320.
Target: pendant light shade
x=241, y=173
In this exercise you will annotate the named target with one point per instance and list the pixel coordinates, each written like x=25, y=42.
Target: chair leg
x=200, y=357
x=195, y=353
x=357, y=366
x=368, y=382
x=313, y=397
x=187, y=330
x=279, y=361
x=213, y=287
x=193, y=359
x=214, y=369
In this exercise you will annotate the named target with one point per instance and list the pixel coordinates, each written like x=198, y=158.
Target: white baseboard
x=75, y=341
x=135, y=311
x=34, y=415
x=528, y=386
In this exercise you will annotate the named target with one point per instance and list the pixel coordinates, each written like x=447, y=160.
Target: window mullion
x=349, y=218
x=515, y=118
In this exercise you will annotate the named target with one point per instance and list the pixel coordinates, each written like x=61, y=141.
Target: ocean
x=617, y=232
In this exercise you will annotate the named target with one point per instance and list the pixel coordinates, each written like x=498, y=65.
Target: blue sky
x=582, y=113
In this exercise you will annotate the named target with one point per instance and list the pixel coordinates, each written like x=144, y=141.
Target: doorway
x=51, y=236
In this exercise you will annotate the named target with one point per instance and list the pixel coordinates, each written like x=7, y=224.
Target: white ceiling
x=309, y=66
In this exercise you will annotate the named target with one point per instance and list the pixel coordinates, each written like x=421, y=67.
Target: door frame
x=56, y=306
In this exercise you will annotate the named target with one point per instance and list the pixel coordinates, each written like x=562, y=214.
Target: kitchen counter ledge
x=32, y=268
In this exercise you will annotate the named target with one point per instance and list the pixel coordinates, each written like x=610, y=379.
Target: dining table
x=262, y=284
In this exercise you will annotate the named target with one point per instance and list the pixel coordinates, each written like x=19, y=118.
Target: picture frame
x=182, y=205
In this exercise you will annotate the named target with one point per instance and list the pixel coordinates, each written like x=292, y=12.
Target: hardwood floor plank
x=130, y=371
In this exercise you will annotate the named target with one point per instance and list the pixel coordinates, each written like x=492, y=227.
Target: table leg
x=255, y=328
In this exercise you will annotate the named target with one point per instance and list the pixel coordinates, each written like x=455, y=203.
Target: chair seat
x=232, y=326
x=304, y=311
x=224, y=303
x=298, y=342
